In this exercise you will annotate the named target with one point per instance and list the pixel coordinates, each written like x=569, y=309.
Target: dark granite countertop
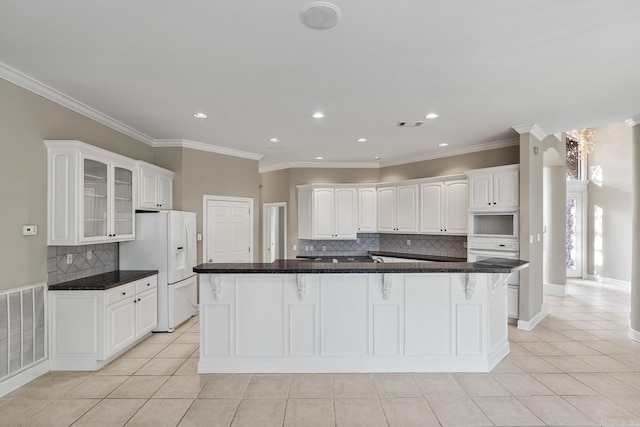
x=305, y=266
x=101, y=282
x=418, y=256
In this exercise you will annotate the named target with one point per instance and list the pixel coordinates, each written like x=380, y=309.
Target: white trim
x=555, y=290
x=321, y=165
x=24, y=81
x=24, y=377
x=264, y=227
x=633, y=120
x=208, y=197
x=609, y=281
x=195, y=145
x=528, y=325
x=533, y=129
x=633, y=334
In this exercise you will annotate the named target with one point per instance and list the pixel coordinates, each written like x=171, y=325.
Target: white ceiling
x=259, y=73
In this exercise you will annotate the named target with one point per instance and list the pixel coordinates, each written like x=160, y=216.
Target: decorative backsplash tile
x=453, y=246
x=104, y=258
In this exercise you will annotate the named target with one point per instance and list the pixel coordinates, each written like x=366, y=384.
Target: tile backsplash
x=104, y=258
x=453, y=246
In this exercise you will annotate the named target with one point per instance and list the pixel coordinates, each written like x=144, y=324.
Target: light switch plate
x=531, y=238
x=29, y=230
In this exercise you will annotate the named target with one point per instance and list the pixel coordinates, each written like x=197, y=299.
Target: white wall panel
x=469, y=329
x=302, y=330
x=217, y=319
x=386, y=330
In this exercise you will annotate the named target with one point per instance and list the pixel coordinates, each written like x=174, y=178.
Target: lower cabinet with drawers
x=89, y=328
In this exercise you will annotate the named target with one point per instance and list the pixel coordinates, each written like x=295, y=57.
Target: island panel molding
x=353, y=322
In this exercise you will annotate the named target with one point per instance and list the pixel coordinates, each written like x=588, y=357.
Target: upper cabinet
x=155, y=191
x=327, y=212
x=494, y=188
x=367, y=210
x=90, y=195
x=443, y=207
x=398, y=208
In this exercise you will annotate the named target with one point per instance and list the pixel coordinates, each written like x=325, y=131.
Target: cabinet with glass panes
x=90, y=195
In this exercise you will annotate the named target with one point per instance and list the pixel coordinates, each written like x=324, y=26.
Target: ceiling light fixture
x=431, y=116
x=274, y=140
x=319, y=158
x=362, y=139
x=444, y=144
x=320, y=15
x=318, y=115
x=377, y=157
x=200, y=115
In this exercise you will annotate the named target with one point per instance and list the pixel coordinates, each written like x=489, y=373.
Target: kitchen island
x=306, y=316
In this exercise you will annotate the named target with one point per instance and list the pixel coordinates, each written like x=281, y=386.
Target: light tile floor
x=577, y=367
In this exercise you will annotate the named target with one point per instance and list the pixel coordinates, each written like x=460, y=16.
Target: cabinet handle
x=148, y=284
x=124, y=293
x=494, y=203
x=138, y=299
x=489, y=203
x=134, y=301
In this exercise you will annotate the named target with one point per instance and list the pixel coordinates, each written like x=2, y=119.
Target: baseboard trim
x=554, y=290
x=609, y=281
x=24, y=377
x=633, y=334
x=528, y=325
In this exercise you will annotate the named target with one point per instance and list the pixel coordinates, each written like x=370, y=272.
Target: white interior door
x=228, y=231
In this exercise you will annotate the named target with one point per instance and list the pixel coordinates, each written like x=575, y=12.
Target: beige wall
x=26, y=119
x=451, y=165
x=612, y=158
x=202, y=173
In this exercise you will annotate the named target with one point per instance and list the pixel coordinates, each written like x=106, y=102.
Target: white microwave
x=499, y=226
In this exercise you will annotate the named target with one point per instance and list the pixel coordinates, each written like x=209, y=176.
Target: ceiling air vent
x=408, y=124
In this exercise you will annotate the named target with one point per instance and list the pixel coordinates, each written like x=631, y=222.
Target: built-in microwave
x=497, y=226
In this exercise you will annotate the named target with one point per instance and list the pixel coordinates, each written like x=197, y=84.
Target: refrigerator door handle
x=186, y=225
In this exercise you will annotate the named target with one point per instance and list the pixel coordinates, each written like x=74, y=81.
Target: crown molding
x=20, y=79
x=201, y=146
x=533, y=129
x=633, y=120
x=320, y=165
x=448, y=152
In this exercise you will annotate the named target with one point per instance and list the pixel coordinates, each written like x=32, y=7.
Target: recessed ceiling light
x=319, y=158
x=431, y=116
x=274, y=140
x=377, y=157
x=200, y=115
x=362, y=139
x=444, y=144
x=318, y=115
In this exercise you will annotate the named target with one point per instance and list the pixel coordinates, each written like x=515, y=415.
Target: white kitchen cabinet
x=513, y=301
x=155, y=191
x=494, y=188
x=88, y=328
x=398, y=208
x=367, y=210
x=90, y=195
x=327, y=212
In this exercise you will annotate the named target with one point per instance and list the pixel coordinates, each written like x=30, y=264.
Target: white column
x=555, y=236
x=634, y=321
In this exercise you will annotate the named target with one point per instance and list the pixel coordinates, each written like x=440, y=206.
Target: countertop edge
x=102, y=282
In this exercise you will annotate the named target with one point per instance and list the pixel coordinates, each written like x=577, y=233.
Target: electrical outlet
x=311, y=248
x=89, y=254
x=69, y=258
x=531, y=238
x=324, y=249
x=306, y=248
x=408, y=242
x=357, y=240
x=295, y=248
x=538, y=237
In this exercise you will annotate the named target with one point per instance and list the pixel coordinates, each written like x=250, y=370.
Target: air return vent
x=408, y=124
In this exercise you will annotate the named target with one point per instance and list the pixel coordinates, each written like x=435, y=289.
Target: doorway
x=576, y=228
x=227, y=229
x=274, y=226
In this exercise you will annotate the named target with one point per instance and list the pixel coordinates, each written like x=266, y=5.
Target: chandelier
x=585, y=141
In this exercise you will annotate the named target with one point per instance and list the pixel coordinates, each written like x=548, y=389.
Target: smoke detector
x=320, y=15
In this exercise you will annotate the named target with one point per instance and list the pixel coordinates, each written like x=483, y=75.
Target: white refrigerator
x=166, y=241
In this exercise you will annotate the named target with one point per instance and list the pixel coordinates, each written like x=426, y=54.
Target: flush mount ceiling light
x=377, y=157
x=317, y=115
x=200, y=115
x=274, y=140
x=443, y=144
x=431, y=116
x=319, y=158
x=362, y=139
x=320, y=15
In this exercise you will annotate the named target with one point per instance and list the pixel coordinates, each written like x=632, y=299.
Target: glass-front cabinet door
x=94, y=210
x=123, y=211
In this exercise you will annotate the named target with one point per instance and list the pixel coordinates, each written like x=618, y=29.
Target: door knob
x=210, y=260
